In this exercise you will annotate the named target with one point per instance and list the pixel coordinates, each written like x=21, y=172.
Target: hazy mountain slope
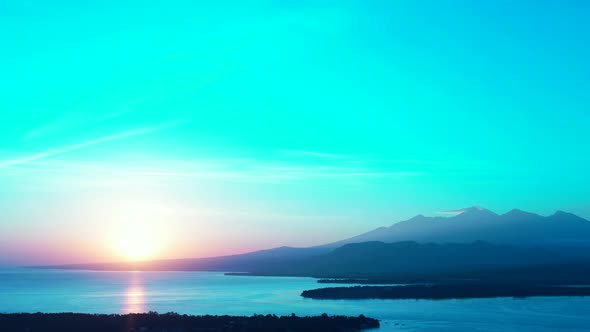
x=476, y=224
x=440, y=244
x=359, y=260
x=378, y=258
x=242, y=262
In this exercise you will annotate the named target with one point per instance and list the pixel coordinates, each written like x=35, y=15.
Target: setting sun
x=137, y=241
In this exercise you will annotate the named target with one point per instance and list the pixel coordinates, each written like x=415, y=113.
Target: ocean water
x=31, y=290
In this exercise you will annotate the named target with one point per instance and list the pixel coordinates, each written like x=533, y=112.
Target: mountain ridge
x=479, y=224
x=562, y=232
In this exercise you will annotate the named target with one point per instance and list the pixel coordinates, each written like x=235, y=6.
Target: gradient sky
x=230, y=126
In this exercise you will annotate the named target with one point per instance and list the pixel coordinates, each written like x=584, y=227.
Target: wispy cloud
x=450, y=213
x=316, y=154
x=162, y=173
x=68, y=121
x=272, y=168
x=460, y=211
x=97, y=141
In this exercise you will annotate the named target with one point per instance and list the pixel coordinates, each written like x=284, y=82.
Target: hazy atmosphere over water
x=223, y=127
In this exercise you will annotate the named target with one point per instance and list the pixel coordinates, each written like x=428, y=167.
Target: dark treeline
x=444, y=291
x=154, y=322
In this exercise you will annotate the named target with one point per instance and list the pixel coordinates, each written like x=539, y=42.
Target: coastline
x=444, y=291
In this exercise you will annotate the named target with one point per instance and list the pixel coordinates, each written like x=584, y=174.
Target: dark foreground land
x=444, y=291
x=172, y=322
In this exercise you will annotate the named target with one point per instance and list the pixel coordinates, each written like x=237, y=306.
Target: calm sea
x=30, y=290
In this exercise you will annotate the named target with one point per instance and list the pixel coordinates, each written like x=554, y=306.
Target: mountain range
x=473, y=239
x=516, y=227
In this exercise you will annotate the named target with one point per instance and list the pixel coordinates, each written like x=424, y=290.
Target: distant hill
x=473, y=239
x=362, y=260
x=370, y=259
x=240, y=263
x=477, y=224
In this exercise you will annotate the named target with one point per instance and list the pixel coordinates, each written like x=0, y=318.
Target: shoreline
x=444, y=292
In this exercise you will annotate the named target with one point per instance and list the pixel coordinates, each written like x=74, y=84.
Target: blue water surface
x=32, y=290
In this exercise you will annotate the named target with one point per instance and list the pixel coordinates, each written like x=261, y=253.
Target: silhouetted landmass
x=532, y=256
x=372, y=281
x=243, y=262
x=367, y=259
x=544, y=274
x=418, y=246
x=411, y=262
x=444, y=291
x=577, y=273
x=154, y=322
x=412, y=258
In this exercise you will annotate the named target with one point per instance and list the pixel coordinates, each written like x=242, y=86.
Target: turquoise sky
x=242, y=125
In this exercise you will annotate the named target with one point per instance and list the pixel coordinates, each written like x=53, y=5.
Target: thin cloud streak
x=223, y=169
x=457, y=212
x=79, y=146
x=70, y=120
x=316, y=154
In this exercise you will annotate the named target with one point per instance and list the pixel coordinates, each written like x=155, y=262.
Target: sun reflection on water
x=135, y=294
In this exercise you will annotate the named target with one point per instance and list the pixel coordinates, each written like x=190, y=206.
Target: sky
x=218, y=127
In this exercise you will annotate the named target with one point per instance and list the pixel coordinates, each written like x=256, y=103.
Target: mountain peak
x=517, y=213
x=562, y=213
x=516, y=227
x=474, y=210
x=471, y=209
x=475, y=213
